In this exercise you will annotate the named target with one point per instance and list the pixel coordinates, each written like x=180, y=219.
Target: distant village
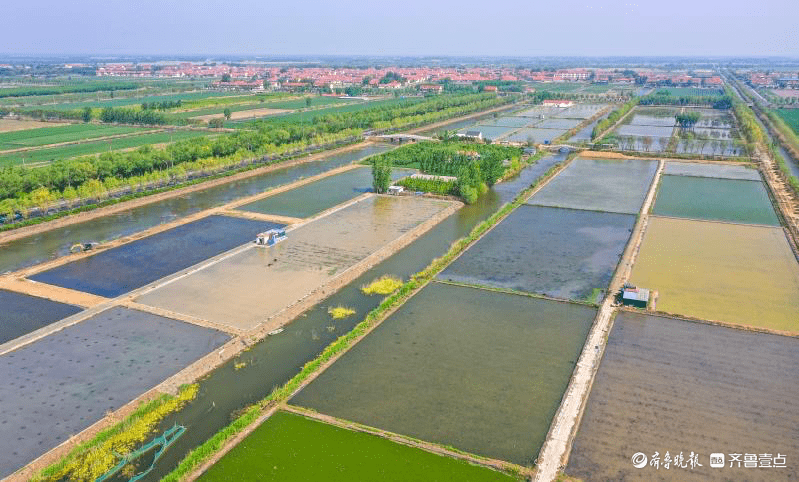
x=262, y=77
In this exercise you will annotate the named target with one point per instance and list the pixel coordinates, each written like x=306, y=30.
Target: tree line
x=614, y=117
x=664, y=97
x=91, y=176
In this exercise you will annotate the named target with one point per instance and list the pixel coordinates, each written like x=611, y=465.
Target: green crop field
x=690, y=91
x=308, y=116
x=290, y=447
x=127, y=101
x=95, y=147
x=58, y=134
x=791, y=117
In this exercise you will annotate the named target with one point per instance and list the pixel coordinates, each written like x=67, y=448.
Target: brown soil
x=54, y=293
x=11, y=125
x=243, y=114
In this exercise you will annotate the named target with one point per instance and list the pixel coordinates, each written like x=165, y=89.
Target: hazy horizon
x=507, y=28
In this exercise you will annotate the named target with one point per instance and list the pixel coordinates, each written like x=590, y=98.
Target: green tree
x=87, y=114
x=227, y=113
x=308, y=102
x=225, y=77
x=381, y=174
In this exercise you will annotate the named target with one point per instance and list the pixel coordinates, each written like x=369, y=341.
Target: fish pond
x=563, y=253
x=65, y=382
x=731, y=200
x=312, y=198
x=135, y=264
x=290, y=447
x=670, y=385
x=479, y=370
x=599, y=184
x=735, y=273
x=22, y=314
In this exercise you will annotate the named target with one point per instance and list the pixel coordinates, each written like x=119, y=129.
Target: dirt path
x=557, y=447
x=51, y=292
x=143, y=201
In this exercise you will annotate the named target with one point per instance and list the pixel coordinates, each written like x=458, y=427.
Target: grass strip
x=91, y=459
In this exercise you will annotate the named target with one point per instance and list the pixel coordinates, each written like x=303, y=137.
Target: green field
x=128, y=101
x=729, y=200
x=791, y=117
x=95, y=147
x=58, y=134
x=690, y=91
x=290, y=447
x=309, y=116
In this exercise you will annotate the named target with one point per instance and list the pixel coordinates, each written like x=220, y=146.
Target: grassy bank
x=93, y=458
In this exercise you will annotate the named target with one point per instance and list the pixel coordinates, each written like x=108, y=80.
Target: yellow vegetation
x=385, y=285
x=340, y=312
x=92, y=459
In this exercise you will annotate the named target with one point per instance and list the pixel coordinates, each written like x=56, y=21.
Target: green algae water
x=290, y=447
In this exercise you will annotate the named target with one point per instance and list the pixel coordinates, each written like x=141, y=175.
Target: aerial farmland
x=221, y=279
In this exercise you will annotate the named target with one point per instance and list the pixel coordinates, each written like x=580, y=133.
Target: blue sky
x=412, y=27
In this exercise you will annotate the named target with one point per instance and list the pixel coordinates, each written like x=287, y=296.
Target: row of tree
x=614, y=117
x=664, y=97
x=163, y=105
x=63, y=178
x=122, y=115
x=93, y=86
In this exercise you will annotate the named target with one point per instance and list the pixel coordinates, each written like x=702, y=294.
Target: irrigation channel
x=270, y=363
x=37, y=248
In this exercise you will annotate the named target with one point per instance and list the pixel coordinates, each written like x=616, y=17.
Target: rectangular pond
x=539, y=136
x=560, y=123
x=490, y=132
x=643, y=131
x=290, y=447
x=563, y=253
x=479, y=370
x=315, y=197
x=656, y=116
x=670, y=385
x=65, y=382
x=735, y=273
x=730, y=200
x=22, y=314
x=722, y=171
x=127, y=267
x=244, y=290
x=599, y=184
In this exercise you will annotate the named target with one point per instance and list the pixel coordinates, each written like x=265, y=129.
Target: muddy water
x=54, y=243
x=670, y=385
x=275, y=360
